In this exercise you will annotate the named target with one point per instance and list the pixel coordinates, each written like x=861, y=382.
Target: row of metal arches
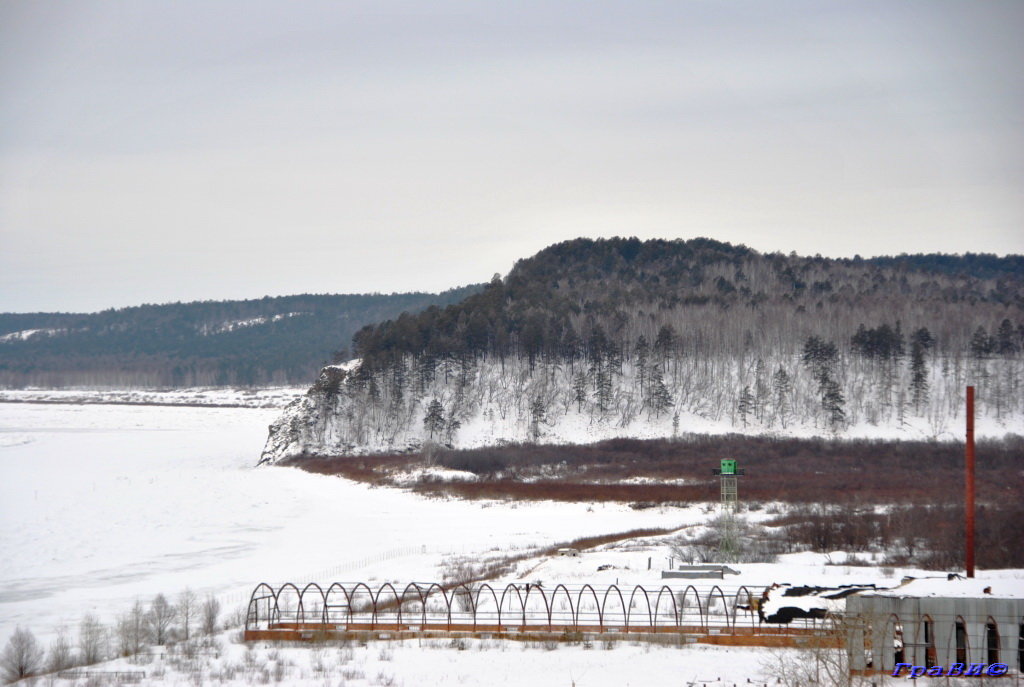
x=312, y=604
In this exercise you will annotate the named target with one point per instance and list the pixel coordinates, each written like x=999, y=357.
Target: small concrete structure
x=698, y=572
x=572, y=553
x=936, y=622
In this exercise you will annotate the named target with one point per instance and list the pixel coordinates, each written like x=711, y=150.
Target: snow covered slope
x=487, y=401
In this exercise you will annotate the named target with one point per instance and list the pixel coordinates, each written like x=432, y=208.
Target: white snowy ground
x=467, y=663
x=103, y=505
x=266, y=397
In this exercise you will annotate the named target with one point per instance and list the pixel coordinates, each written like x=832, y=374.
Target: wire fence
x=515, y=607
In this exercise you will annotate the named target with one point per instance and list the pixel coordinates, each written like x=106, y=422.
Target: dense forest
x=622, y=337
x=282, y=340
x=599, y=297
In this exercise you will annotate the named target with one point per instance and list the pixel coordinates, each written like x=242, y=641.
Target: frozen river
x=102, y=505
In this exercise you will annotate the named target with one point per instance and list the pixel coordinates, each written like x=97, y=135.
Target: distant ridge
x=598, y=338
x=267, y=341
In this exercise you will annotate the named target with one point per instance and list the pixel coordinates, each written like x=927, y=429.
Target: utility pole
x=969, y=497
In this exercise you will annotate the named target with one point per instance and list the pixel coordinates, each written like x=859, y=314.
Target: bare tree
x=21, y=657
x=92, y=640
x=187, y=607
x=159, y=619
x=60, y=655
x=131, y=630
x=822, y=659
x=209, y=612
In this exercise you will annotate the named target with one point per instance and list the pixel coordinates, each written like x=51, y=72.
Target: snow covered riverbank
x=103, y=505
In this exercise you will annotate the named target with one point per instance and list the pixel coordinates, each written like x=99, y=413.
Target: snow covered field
x=268, y=397
x=102, y=505
x=467, y=663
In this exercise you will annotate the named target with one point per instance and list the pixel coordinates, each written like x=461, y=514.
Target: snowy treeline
x=467, y=401
x=162, y=622
x=591, y=339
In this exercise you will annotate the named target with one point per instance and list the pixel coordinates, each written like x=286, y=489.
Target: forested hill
x=593, y=339
x=586, y=296
x=282, y=340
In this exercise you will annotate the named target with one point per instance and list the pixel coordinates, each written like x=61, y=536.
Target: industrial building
x=937, y=622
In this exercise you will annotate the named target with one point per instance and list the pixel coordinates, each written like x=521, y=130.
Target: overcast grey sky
x=162, y=151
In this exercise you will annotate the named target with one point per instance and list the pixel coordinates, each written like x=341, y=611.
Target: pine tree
x=660, y=398
x=642, y=351
x=397, y=382
x=570, y=347
x=746, y=404
x=820, y=356
x=833, y=401
x=923, y=337
x=373, y=392
x=898, y=347
x=665, y=342
x=781, y=388
x=918, y=376
x=982, y=345
x=602, y=387
x=425, y=372
x=614, y=357
x=1005, y=335
x=579, y=390
x=537, y=413
x=434, y=419
x=760, y=389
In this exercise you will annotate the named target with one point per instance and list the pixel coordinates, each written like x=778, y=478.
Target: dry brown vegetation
x=777, y=469
x=831, y=484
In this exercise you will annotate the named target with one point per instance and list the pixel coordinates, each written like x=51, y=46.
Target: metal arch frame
x=750, y=612
x=675, y=607
x=352, y=602
x=568, y=598
x=725, y=607
x=466, y=593
x=534, y=589
x=501, y=604
x=377, y=606
x=494, y=595
x=537, y=608
x=420, y=596
x=328, y=606
x=277, y=600
x=426, y=599
x=597, y=606
x=700, y=609
x=647, y=599
x=302, y=598
x=622, y=603
x=254, y=603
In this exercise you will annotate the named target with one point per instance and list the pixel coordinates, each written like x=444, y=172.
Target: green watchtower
x=730, y=492
x=728, y=472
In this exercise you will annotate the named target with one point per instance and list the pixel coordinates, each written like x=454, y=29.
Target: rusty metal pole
x=969, y=558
